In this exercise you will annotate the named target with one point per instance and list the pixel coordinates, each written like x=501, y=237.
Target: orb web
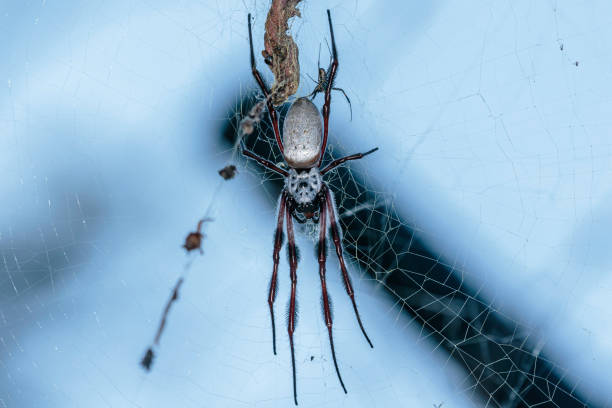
x=476, y=235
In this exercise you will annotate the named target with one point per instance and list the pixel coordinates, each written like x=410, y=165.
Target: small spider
x=305, y=195
x=324, y=78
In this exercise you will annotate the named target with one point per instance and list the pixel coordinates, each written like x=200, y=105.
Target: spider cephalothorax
x=303, y=186
x=305, y=195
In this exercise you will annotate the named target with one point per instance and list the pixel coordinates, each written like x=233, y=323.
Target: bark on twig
x=281, y=52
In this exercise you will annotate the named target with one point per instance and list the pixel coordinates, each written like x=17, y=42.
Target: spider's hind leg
x=278, y=243
x=335, y=228
x=293, y=260
x=322, y=256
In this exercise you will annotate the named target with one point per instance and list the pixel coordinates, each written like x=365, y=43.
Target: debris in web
x=285, y=61
x=228, y=172
x=281, y=52
x=252, y=119
x=194, y=239
x=147, y=360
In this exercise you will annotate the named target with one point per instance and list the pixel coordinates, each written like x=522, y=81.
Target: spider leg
x=338, y=244
x=338, y=162
x=347, y=99
x=266, y=92
x=278, y=242
x=319, y=57
x=314, y=93
x=326, y=308
x=202, y=221
x=331, y=73
x=292, y=310
x=311, y=78
x=318, y=86
x=264, y=162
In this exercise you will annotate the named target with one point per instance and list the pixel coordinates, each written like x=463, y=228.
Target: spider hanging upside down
x=305, y=195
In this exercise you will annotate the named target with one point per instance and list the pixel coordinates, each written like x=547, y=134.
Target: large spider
x=305, y=195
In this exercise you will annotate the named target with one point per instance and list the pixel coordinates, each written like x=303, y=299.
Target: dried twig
x=281, y=52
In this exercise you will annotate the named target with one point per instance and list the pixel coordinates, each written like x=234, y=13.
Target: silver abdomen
x=302, y=134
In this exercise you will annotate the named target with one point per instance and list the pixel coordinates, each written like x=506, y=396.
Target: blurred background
x=477, y=236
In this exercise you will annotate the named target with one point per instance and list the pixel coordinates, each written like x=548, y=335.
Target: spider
x=321, y=84
x=305, y=196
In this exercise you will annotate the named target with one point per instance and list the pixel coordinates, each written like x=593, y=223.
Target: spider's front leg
x=331, y=74
x=292, y=305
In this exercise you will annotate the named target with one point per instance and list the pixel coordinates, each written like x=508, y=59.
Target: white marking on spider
x=304, y=186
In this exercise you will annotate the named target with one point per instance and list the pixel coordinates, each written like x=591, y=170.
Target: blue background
x=493, y=122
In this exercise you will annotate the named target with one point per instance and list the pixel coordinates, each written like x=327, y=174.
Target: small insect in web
x=305, y=196
x=228, y=172
x=194, y=239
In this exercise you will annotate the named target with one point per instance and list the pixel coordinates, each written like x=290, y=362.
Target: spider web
x=476, y=236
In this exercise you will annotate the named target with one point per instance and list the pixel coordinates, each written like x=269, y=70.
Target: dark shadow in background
x=47, y=241
x=46, y=246
x=504, y=366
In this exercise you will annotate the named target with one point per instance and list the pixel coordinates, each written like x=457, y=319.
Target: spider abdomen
x=302, y=134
